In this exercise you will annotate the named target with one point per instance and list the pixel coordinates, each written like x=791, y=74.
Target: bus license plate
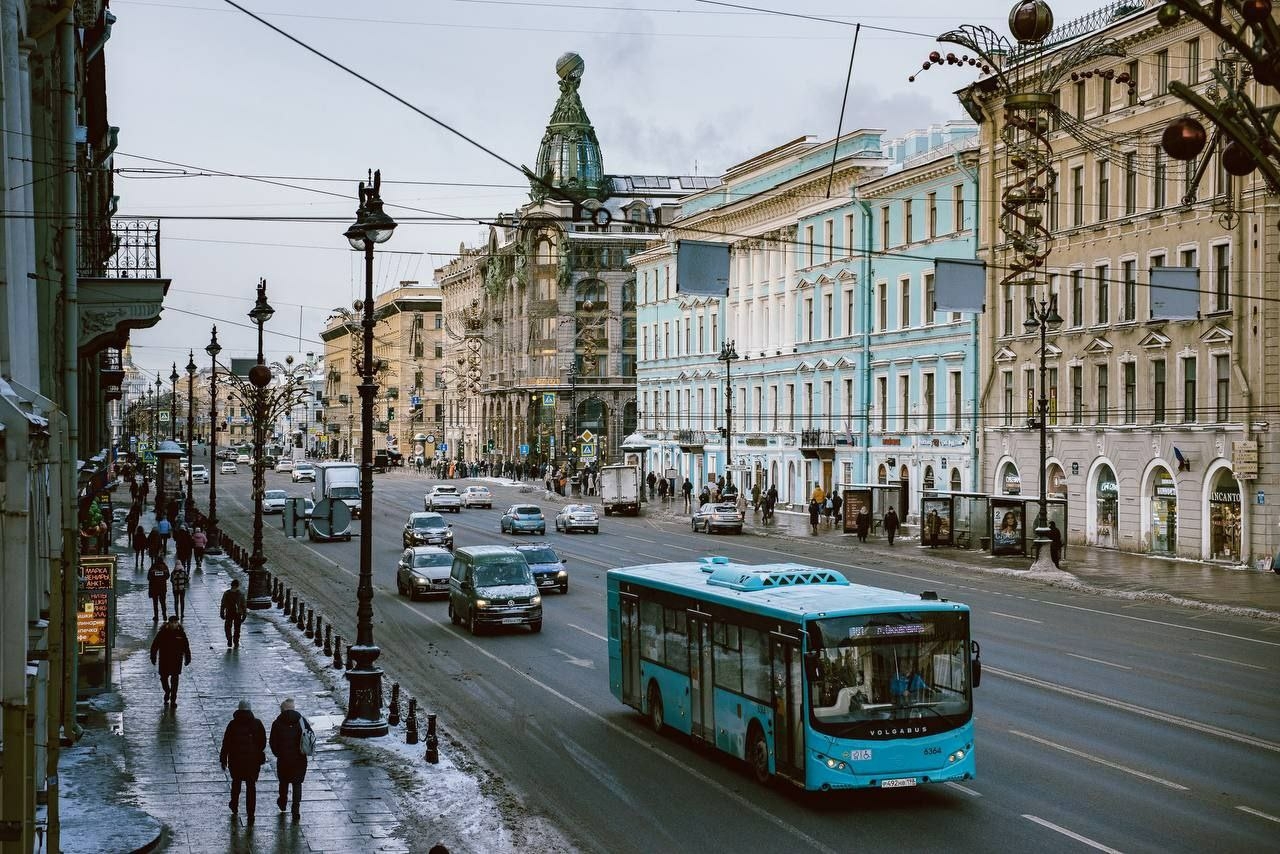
x=511, y=621
x=900, y=783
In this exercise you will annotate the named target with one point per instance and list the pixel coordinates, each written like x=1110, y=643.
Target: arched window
x=591, y=291
x=882, y=474
x=928, y=477
x=545, y=253
x=629, y=418
x=955, y=480
x=629, y=295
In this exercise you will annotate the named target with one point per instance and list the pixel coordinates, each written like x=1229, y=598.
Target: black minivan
x=493, y=586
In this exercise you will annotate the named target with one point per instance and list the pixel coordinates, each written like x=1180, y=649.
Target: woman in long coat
x=244, y=749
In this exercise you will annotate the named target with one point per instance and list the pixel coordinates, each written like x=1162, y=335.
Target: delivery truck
x=620, y=489
x=338, y=481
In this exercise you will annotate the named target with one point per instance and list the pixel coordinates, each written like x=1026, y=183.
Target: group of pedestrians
x=243, y=754
x=151, y=549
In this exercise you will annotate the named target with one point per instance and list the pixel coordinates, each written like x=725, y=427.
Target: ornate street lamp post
x=1044, y=317
x=728, y=355
x=364, y=707
x=572, y=443
x=259, y=594
x=155, y=444
x=173, y=404
x=191, y=397
x=213, y=348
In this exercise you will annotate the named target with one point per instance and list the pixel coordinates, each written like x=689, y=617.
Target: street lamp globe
x=173, y=377
x=191, y=363
x=213, y=348
x=262, y=310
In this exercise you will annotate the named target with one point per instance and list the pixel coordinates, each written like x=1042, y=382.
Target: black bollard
x=284, y=599
x=337, y=653
x=411, y=723
x=319, y=640
x=310, y=631
x=328, y=640
x=301, y=621
x=393, y=711
x=433, y=744
x=351, y=662
x=297, y=609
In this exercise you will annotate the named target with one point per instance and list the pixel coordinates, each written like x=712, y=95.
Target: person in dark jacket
x=244, y=746
x=158, y=589
x=153, y=544
x=1055, y=544
x=170, y=650
x=180, y=580
x=815, y=509
x=183, y=546
x=891, y=524
x=232, y=611
x=139, y=541
x=291, y=762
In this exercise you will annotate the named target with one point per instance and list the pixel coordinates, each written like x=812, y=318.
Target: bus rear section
x=798, y=673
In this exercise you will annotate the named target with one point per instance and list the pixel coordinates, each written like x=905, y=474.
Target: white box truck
x=339, y=481
x=620, y=489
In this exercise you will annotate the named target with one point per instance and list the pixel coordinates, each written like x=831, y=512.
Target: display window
x=1106, y=506
x=1164, y=514
x=1224, y=518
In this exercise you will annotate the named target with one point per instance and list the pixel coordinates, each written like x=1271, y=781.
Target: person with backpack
x=158, y=589
x=165, y=528
x=837, y=504
x=244, y=750
x=170, y=650
x=180, y=580
x=139, y=541
x=292, y=741
x=232, y=611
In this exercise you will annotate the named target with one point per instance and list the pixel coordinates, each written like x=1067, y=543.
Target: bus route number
x=932, y=751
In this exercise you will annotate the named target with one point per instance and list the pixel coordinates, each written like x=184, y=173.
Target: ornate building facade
x=540, y=322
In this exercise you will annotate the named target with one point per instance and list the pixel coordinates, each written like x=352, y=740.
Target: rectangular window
x=1008, y=398
x=884, y=306
x=1077, y=394
x=1159, y=190
x=1157, y=391
x=957, y=399
x=848, y=311
x=1077, y=195
x=1104, y=191
x=1188, y=258
x=908, y=221
x=1029, y=389
x=808, y=315
x=1130, y=183
x=1055, y=202
x=1055, y=115
x=933, y=215
x=1222, y=277
x=904, y=314
x=829, y=239
x=1129, y=272
x=904, y=400
x=1222, y=388
x=1132, y=100
x=1007, y=315
x=882, y=400
x=926, y=307
x=1080, y=99
x=928, y=402
x=884, y=227
x=1130, y=392
x=957, y=201
x=1104, y=405
x=1053, y=396
x=1189, y=389
x=828, y=320
x=1077, y=298
x=1102, y=278
x=1104, y=105
x=1193, y=61
x=848, y=234
x=1162, y=73
x=1221, y=177
x=808, y=246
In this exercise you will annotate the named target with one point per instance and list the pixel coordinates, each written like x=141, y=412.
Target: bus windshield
x=870, y=668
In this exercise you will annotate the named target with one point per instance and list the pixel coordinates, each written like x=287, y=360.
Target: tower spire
x=569, y=160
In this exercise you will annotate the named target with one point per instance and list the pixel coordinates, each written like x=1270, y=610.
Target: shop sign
x=1107, y=489
x=893, y=441
x=1225, y=497
x=1012, y=483
x=1244, y=460
x=1165, y=488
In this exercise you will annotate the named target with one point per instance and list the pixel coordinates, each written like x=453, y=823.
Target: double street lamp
x=259, y=594
x=191, y=379
x=364, y=707
x=1043, y=316
x=213, y=348
x=728, y=355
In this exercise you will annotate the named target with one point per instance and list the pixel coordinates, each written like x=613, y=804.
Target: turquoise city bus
x=804, y=676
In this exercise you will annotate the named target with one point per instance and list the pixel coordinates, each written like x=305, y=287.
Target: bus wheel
x=758, y=754
x=656, y=719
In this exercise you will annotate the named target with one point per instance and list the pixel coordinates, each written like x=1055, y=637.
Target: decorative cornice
x=109, y=308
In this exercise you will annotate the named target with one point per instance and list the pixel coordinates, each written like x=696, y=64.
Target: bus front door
x=702, y=717
x=630, y=643
x=788, y=707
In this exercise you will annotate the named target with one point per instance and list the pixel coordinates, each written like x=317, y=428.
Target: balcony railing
x=129, y=249
x=817, y=439
x=691, y=438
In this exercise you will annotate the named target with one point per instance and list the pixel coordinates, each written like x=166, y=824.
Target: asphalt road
x=1101, y=724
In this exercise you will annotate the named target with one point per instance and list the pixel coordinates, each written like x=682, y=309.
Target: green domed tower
x=569, y=161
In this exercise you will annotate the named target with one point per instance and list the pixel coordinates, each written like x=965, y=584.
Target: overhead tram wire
x=819, y=19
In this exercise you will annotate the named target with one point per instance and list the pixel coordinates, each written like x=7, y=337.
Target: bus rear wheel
x=758, y=755
x=656, y=718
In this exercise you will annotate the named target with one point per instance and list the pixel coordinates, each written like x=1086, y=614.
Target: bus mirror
x=977, y=663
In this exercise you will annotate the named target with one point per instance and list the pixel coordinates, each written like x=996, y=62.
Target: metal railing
x=129, y=249
x=817, y=439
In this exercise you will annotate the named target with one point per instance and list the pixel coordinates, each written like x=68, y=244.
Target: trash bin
x=984, y=543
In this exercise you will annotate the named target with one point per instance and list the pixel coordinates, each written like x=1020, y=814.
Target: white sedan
x=284, y=464
x=477, y=496
x=227, y=467
x=273, y=500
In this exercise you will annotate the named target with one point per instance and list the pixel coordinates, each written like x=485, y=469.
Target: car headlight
x=561, y=574
x=536, y=599
x=482, y=603
x=419, y=579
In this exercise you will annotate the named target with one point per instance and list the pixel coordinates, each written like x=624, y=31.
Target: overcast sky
x=672, y=87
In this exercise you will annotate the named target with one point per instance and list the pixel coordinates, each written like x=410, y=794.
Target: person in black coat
x=891, y=524
x=139, y=542
x=158, y=589
x=815, y=509
x=170, y=649
x=244, y=746
x=291, y=762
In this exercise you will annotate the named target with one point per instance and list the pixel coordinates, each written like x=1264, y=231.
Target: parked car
x=443, y=497
x=492, y=586
x=717, y=517
x=427, y=529
x=303, y=471
x=227, y=467
x=284, y=464
x=273, y=500
x=523, y=518
x=424, y=571
x=547, y=566
x=578, y=517
x=199, y=474
x=477, y=496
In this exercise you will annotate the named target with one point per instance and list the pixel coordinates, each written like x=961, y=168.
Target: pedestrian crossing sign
x=588, y=450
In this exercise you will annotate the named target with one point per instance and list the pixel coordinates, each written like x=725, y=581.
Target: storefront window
x=1164, y=514
x=1010, y=480
x=1057, y=483
x=1107, y=501
x=1224, y=518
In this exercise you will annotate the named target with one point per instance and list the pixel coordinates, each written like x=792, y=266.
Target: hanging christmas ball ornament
x=911, y=79
x=1030, y=21
x=1237, y=160
x=1183, y=138
x=1255, y=11
x=926, y=66
x=935, y=56
x=1169, y=15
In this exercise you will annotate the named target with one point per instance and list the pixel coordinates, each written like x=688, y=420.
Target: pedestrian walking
x=652, y=480
x=891, y=524
x=170, y=649
x=139, y=540
x=180, y=580
x=687, y=490
x=837, y=504
x=244, y=750
x=158, y=589
x=755, y=497
x=199, y=542
x=662, y=489
x=291, y=761
x=863, y=522
x=232, y=611
x=814, y=510
x=182, y=548
x=153, y=544
x=165, y=528
x=931, y=526
x=1055, y=544
x=819, y=494
x=742, y=505
x=770, y=502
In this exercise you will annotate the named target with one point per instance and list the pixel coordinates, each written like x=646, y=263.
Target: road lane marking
x=741, y=800
x=965, y=789
x=1070, y=834
x=1014, y=617
x=1099, y=760
x=588, y=632
x=1258, y=813
x=1100, y=661
x=576, y=662
x=1229, y=661
x=1164, y=717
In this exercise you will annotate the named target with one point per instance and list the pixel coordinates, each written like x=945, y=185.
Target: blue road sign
x=444, y=446
x=524, y=450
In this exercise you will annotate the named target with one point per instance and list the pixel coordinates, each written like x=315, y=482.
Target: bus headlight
x=957, y=756
x=832, y=763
